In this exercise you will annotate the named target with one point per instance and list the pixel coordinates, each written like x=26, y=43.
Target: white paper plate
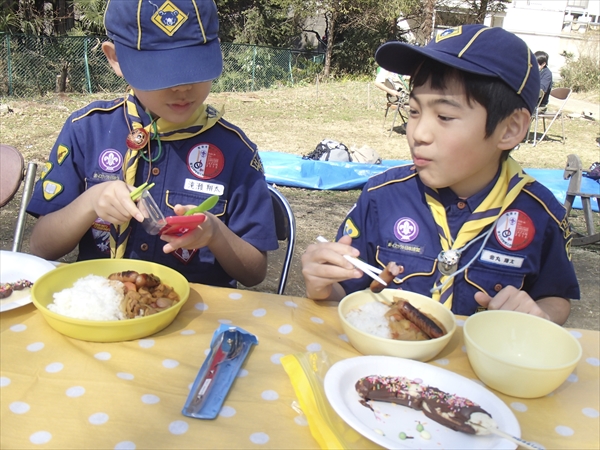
x=385, y=424
x=17, y=266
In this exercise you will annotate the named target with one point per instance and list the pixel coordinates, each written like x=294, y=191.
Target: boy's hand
x=512, y=299
x=323, y=264
x=112, y=202
x=196, y=238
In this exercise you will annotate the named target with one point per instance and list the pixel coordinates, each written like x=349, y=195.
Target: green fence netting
x=37, y=65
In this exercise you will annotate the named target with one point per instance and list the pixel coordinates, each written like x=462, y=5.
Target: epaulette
x=398, y=174
x=231, y=127
x=547, y=200
x=97, y=106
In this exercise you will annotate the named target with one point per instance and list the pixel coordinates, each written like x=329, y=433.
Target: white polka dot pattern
x=125, y=445
x=35, y=347
x=18, y=328
x=75, y=391
x=259, y=438
x=40, y=437
x=178, y=427
x=99, y=418
x=19, y=407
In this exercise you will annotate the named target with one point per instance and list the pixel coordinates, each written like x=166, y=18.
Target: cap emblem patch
x=450, y=32
x=169, y=18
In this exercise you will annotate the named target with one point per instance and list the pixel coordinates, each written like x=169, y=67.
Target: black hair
x=542, y=57
x=497, y=97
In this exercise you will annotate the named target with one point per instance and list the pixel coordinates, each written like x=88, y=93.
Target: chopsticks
x=138, y=191
x=366, y=268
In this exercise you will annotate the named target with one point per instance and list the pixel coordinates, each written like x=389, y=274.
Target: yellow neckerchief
x=161, y=130
x=511, y=181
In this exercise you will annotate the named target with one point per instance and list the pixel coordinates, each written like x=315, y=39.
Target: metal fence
x=36, y=65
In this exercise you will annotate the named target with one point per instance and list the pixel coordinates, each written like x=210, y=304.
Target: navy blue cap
x=162, y=44
x=477, y=49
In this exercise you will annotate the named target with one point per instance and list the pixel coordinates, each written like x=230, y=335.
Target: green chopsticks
x=138, y=191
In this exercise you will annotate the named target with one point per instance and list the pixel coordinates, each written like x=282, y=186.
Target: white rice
x=91, y=298
x=371, y=319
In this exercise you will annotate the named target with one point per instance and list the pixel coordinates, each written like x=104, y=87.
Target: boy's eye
x=444, y=118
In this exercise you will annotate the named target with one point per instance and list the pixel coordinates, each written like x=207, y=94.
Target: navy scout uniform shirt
x=529, y=248
x=219, y=161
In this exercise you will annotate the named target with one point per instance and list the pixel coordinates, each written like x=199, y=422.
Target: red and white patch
x=205, y=161
x=184, y=255
x=515, y=230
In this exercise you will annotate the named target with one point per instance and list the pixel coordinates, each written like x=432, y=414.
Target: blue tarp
x=286, y=169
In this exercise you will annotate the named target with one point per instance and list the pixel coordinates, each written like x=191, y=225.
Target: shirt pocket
x=492, y=281
x=417, y=270
x=173, y=198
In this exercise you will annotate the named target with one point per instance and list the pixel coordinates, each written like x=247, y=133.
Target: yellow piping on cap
x=200, y=21
x=105, y=10
x=526, y=73
x=139, y=24
x=466, y=47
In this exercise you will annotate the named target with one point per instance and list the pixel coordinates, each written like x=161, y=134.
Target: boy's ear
x=111, y=54
x=515, y=127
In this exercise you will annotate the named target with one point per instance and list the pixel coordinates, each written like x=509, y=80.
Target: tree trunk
x=481, y=11
x=330, y=17
x=61, y=80
x=428, y=12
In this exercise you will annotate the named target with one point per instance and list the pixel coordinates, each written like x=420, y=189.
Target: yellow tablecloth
x=57, y=392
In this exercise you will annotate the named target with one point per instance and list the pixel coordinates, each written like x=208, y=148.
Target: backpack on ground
x=329, y=150
x=365, y=155
x=593, y=172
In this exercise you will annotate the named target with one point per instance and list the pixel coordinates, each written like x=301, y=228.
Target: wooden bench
x=574, y=170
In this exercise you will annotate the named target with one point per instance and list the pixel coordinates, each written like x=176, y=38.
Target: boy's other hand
x=112, y=202
x=512, y=299
x=196, y=238
x=323, y=264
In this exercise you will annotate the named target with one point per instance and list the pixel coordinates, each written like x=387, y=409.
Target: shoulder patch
x=350, y=229
x=257, y=163
x=46, y=169
x=61, y=153
x=51, y=189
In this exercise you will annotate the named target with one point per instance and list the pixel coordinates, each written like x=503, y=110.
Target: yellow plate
x=110, y=330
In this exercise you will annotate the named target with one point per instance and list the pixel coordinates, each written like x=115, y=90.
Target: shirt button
x=400, y=269
x=144, y=247
x=155, y=171
x=498, y=287
x=461, y=205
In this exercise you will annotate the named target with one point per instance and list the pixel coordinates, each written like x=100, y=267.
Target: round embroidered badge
x=406, y=229
x=110, y=160
x=205, y=161
x=515, y=230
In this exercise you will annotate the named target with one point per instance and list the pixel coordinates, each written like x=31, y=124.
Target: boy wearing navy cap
x=161, y=132
x=464, y=223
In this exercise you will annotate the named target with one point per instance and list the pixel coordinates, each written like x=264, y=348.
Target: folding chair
x=285, y=227
x=562, y=94
x=397, y=102
x=535, y=113
x=12, y=168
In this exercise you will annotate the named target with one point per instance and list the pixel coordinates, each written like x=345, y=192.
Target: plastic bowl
x=519, y=354
x=111, y=330
x=369, y=344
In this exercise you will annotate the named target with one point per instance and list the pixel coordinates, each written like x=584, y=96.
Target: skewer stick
x=520, y=442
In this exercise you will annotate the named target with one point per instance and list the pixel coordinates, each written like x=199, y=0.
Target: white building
x=554, y=26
